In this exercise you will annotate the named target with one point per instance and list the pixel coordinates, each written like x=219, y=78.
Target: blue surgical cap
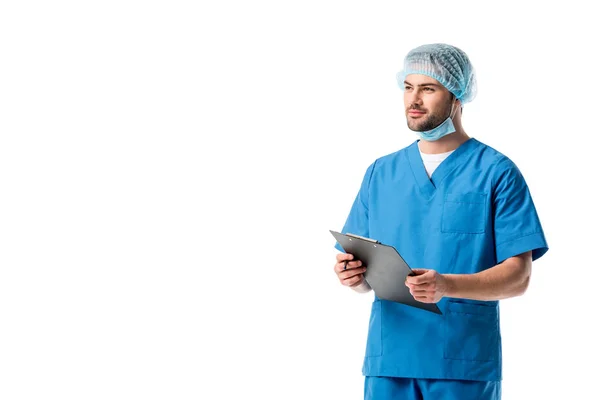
x=447, y=64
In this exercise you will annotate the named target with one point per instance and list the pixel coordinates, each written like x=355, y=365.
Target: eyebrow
x=422, y=85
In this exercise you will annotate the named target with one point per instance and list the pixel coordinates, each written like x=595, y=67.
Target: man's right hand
x=349, y=272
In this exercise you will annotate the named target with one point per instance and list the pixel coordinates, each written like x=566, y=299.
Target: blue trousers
x=384, y=388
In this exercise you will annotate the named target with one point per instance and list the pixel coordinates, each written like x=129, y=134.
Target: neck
x=449, y=142
x=443, y=145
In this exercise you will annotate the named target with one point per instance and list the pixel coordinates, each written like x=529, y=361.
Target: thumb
x=418, y=276
x=418, y=271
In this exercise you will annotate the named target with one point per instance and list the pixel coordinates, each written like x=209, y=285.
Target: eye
x=406, y=87
x=428, y=89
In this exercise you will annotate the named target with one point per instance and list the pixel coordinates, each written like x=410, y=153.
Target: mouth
x=415, y=113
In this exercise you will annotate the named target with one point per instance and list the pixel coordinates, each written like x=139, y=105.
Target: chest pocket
x=464, y=212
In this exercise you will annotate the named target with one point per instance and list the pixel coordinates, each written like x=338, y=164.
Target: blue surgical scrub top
x=475, y=212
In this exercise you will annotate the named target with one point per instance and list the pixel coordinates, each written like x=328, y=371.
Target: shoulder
x=393, y=159
x=387, y=166
x=495, y=160
x=502, y=169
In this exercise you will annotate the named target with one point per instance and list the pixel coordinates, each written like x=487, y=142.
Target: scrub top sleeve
x=517, y=227
x=358, y=218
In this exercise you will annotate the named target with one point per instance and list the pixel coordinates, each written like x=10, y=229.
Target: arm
x=357, y=223
x=510, y=278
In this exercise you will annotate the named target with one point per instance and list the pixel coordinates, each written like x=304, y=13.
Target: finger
x=344, y=256
x=361, y=278
x=425, y=287
x=423, y=299
x=422, y=276
x=416, y=290
x=355, y=280
x=345, y=265
x=340, y=266
x=351, y=272
x=429, y=295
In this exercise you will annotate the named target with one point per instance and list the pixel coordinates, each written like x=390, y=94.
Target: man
x=459, y=213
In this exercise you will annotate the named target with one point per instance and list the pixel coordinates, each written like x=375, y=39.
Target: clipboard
x=386, y=269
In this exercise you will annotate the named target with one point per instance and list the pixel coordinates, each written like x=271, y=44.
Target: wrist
x=451, y=285
x=362, y=287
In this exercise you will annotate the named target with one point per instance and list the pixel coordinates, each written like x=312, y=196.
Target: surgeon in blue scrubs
x=461, y=214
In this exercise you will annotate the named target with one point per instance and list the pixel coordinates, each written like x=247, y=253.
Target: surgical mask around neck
x=443, y=129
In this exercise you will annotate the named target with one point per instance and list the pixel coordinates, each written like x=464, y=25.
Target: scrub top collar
x=428, y=186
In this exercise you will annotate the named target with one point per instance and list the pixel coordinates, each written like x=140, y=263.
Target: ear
x=458, y=103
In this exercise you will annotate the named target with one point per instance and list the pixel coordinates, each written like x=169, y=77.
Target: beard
x=428, y=123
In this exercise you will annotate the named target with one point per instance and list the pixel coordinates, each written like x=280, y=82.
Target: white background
x=169, y=172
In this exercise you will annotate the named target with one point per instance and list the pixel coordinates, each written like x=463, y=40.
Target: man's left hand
x=427, y=286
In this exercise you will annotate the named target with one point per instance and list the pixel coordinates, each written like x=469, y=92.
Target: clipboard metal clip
x=363, y=238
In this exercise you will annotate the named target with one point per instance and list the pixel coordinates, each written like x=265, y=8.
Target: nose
x=413, y=97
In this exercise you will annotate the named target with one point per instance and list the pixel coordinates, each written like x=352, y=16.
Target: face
x=427, y=102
